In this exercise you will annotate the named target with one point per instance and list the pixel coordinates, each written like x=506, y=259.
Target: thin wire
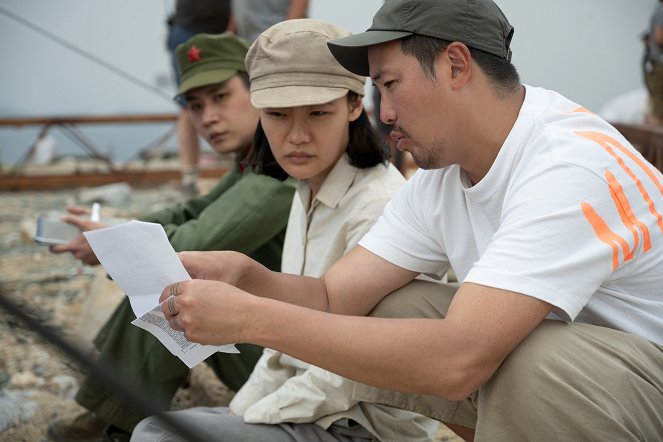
x=105, y=374
x=85, y=54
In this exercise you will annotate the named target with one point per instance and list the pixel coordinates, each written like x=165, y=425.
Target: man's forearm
x=448, y=357
x=658, y=36
x=297, y=9
x=375, y=351
x=294, y=289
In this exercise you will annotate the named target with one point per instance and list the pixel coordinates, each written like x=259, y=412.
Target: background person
x=251, y=17
x=312, y=123
x=192, y=17
x=654, y=65
x=630, y=107
x=244, y=211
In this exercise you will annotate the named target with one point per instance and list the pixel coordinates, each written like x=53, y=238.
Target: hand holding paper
x=210, y=311
x=141, y=261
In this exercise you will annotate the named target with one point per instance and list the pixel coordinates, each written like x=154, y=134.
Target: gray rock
x=113, y=194
x=15, y=407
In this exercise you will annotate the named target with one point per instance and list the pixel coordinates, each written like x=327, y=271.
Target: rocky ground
x=37, y=381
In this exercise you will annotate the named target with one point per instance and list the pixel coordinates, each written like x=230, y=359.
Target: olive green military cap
x=206, y=59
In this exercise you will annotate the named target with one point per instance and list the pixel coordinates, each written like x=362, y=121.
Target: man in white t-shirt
x=550, y=219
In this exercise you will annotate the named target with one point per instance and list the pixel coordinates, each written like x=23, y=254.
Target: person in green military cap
x=245, y=211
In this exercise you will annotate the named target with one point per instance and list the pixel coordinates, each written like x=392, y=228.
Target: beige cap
x=290, y=65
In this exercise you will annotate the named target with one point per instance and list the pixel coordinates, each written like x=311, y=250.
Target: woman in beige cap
x=313, y=125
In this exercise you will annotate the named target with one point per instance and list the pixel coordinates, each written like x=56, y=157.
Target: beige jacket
x=284, y=389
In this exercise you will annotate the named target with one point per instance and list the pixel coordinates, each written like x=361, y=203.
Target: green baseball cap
x=479, y=24
x=208, y=59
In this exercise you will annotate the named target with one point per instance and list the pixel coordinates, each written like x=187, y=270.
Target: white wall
x=40, y=77
x=588, y=50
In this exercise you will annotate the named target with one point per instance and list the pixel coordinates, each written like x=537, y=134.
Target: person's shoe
x=85, y=427
x=115, y=434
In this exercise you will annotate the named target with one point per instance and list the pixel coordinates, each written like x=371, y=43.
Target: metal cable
x=133, y=394
x=85, y=54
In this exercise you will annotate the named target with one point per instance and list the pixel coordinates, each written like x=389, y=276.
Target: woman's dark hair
x=245, y=78
x=500, y=72
x=260, y=158
x=365, y=149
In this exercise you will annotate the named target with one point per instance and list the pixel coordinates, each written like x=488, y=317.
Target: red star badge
x=194, y=54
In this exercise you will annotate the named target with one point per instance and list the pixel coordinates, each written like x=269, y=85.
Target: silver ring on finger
x=171, y=305
x=173, y=289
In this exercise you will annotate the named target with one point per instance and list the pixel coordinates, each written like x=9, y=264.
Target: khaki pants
x=564, y=382
x=218, y=425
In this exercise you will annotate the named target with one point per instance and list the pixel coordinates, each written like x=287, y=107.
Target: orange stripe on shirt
x=629, y=218
x=583, y=109
x=606, y=235
x=604, y=141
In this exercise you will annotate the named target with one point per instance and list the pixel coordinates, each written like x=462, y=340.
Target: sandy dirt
x=37, y=381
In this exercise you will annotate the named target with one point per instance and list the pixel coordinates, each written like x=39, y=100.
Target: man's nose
x=387, y=112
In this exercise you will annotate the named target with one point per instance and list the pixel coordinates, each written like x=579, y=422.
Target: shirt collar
x=334, y=187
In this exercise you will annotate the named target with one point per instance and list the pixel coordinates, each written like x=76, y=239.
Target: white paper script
x=141, y=261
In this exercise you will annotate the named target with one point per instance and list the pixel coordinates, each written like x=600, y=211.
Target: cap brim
x=203, y=79
x=352, y=52
x=292, y=96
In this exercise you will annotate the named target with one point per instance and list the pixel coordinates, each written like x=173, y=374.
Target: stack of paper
x=141, y=261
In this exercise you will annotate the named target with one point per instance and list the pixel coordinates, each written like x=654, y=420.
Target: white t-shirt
x=569, y=213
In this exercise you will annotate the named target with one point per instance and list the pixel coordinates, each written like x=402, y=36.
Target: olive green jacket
x=244, y=212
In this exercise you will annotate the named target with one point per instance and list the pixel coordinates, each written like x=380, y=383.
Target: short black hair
x=500, y=72
x=245, y=78
x=365, y=148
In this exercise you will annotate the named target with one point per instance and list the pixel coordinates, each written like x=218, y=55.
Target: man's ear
x=460, y=61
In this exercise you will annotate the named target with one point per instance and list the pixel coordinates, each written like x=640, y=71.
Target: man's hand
x=79, y=247
x=225, y=266
x=208, y=312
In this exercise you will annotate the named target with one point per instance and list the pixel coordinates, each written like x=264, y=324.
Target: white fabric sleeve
x=400, y=236
x=545, y=246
